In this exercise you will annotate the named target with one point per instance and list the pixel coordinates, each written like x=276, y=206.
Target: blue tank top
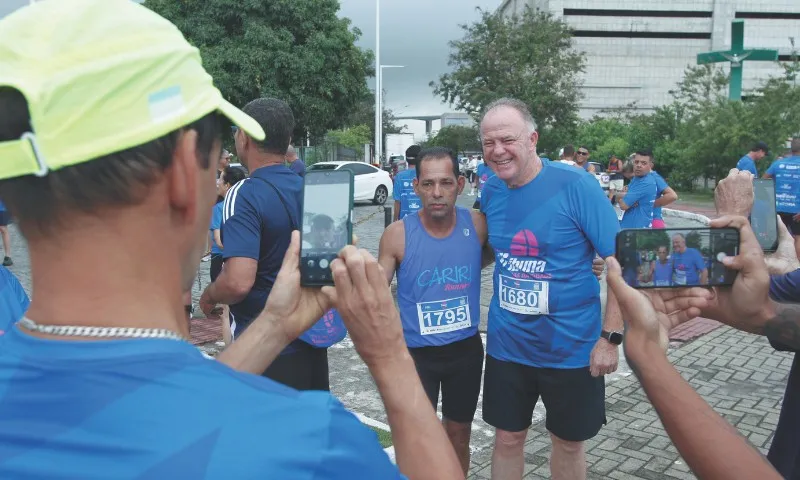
x=439, y=283
x=662, y=276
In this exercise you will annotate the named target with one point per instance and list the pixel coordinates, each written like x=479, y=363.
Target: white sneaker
x=206, y=258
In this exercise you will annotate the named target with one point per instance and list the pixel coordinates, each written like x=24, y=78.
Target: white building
x=637, y=50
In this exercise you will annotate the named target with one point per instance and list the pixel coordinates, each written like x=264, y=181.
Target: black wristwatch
x=613, y=337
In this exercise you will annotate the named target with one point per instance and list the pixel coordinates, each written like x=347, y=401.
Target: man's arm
x=704, y=276
x=391, y=246
x=487, y=252
x=767, y=175
x=668, y=196
x=396, y=212
x=257, y=347
x=701, y=436
x=242, y=247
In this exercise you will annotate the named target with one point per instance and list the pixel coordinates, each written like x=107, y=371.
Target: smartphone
x=327, y=223
x=676, y=257
x=764, y=217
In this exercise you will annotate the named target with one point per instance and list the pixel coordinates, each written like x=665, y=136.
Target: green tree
x=458, y=138
x=528, y=57
x=296, y=50
x=351, y=137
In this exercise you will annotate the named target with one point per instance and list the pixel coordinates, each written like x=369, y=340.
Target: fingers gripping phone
x=764, y=217
x=327, y=223
x=676, y=257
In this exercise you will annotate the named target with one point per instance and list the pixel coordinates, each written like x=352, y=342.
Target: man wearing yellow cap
x=110, y=136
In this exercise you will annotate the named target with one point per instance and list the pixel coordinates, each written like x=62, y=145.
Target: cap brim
x=242, y=120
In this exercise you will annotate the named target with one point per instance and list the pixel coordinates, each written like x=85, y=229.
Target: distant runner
x=406, y=200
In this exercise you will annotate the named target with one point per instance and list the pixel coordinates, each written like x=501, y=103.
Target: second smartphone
x=676, y=257
x=764, y=217
x=327, y=223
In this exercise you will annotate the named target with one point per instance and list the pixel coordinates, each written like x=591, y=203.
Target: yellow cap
x=100, y=76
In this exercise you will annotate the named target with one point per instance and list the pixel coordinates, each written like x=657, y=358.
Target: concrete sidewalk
x=738, y=374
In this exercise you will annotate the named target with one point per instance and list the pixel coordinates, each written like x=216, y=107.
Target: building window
x=630, y=34
x=769, y=15
x=598, y=12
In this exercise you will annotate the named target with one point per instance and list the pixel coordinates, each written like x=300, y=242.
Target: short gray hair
x=517, y=105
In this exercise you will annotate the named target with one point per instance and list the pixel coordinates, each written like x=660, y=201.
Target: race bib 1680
x=526, y=297
x=443, y=315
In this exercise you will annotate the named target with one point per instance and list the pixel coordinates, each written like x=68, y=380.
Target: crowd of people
x=98, y=379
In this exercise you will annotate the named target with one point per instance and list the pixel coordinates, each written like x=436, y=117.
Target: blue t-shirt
x=298, y=167
x=157, y=409
x=329, y=330
x=640, y=198
x=2, y=206
x=256, y=225
x=439, y=283
x=13, y=300
x=484, y=173
x=687, y=266
x=747, y=164
x=661, y=185
x=216, y=224
x=786, y=173
x=403, y=192
x=545, y=311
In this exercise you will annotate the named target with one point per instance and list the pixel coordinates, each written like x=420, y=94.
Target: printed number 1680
x=519, y=297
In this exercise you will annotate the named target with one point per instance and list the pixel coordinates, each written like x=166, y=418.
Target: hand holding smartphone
x=327, y=223
x=676, y=257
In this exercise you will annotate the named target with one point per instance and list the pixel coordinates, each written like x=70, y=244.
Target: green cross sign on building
x=736, y=56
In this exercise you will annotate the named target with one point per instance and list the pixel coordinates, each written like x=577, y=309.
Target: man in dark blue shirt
x=294, y=163
x=258, y=217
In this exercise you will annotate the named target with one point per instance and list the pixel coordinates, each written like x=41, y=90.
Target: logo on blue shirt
x=456, y=277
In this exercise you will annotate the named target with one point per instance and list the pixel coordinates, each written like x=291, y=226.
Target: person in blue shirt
x=689, y=266
x=786, y=173
x=437, y=256
x=406, y=200
x=229, y=177
x=116, y=390
x=546, y=338
x=748, y=162
x=259, y=215
x=5, y=219
x=638, y=201
x=294, y=163
x=665, y=195
x=483, y=175
x=14, y=301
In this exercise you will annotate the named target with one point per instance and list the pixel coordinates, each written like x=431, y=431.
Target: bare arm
x=257, y=347
x=704, y=276
x=218, y=238
x=396, y=212
x=710, y=446
x=487, y=252
x=612, y=322
x=667, y=196
x=390, y=249
x=234, y=282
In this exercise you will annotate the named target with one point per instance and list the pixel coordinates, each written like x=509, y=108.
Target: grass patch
x=384, y=437
x=699, y=195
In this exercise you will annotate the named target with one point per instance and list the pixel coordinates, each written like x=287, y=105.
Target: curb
x=669, y=212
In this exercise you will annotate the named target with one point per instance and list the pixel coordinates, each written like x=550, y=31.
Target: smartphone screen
x=764, y=218
x=676, y=257
x=327, y=223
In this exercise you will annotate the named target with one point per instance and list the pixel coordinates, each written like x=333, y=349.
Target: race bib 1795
x=526, y=297
x=443, y=315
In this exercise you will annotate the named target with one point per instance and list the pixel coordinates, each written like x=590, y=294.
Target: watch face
x=615, y=338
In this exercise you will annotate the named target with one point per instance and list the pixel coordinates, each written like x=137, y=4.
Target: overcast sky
x=414, y=33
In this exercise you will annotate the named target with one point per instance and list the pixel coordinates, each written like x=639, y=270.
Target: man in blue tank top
x=437, y=256
x=546, y=220
x=406, y=200
x=661, y=272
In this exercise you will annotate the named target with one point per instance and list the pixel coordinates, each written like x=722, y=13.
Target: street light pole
x=378, y=110
x=379, y=105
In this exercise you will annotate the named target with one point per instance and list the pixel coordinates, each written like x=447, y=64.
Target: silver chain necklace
x=102, y=332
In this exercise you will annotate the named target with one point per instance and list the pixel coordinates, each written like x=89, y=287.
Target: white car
x=370, y=184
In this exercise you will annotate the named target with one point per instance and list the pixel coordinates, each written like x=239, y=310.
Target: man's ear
x=182, y=181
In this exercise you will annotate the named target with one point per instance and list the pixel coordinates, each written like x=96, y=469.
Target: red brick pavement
x=205, y=330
